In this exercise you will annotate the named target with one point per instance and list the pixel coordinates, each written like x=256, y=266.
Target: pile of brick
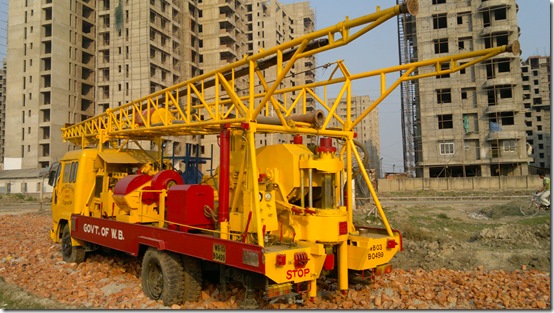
x=29, y=260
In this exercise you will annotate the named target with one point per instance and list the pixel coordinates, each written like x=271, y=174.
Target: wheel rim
x=154, y=281
x=529, y=209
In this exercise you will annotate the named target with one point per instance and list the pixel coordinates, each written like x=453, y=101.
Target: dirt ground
x=449, y=234
x=463, y=233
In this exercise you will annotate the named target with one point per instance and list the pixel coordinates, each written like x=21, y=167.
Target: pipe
x=224, y=157
x=315, y=117
x=310, y=188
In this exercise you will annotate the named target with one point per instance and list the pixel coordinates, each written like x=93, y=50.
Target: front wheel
x=71, y=253
x=529, y=208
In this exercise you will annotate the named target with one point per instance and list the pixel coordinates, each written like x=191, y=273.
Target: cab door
x=64, y=188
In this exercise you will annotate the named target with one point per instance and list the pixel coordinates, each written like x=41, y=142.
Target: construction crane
x=279, y=216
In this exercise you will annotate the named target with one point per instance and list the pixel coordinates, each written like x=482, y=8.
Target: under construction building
x=367, y=130
x=70, y=60
x=469, y=123
x=535, y=73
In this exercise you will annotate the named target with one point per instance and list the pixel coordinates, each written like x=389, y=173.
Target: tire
x=529, y=208
x=70, y=253
x=162, y=276
x=192, y=277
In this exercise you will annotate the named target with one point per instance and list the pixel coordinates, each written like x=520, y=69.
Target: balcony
x=491, y=4
x=228, y=55
x=503, y=135
x=498, y=27
x=227, y=5
x=503, y=106
x=506, y=79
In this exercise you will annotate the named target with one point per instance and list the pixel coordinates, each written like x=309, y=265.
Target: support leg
x=313, y=290
x=343, y=267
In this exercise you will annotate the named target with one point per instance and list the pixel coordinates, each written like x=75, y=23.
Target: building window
x=500, y=40
x=504, y=66
x=500, y=14
x=445, y=121
x=446, y=148
x=441, y=45
x=439, y=21
x=505, y=92
x=444, y=95
x=509, y=145
x=506, y=118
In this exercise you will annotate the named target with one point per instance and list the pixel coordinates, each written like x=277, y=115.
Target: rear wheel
x=70, y=253
x=529, y=208
x=192, y=271
x=162, y=276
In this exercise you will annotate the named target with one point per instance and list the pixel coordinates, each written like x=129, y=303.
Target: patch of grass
x=19, y=196
x=412, y=231
x=451, y=193
x=440, y=225
x=12, y=297
x=501, y=210
x=536, y=220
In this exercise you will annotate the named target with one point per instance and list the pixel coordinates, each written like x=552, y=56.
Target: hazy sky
x=379, y=49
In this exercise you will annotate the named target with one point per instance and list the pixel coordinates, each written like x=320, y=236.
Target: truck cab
x=83, y=183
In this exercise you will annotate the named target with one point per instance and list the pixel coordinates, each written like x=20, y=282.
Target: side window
x=70, y=172
x=73, y=173
x=66, y=172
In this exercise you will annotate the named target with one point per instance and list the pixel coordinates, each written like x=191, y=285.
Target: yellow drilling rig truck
x=277, y=217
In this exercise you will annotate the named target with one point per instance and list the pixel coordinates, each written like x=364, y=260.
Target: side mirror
x=53, y=174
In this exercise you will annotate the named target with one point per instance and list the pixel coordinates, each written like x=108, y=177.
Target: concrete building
x=50, y=77
x=69, y=60
x=469, y=123
x=96, y=55
x=535, y=73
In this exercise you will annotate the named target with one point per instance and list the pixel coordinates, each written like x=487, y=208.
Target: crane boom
x=177, y=108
